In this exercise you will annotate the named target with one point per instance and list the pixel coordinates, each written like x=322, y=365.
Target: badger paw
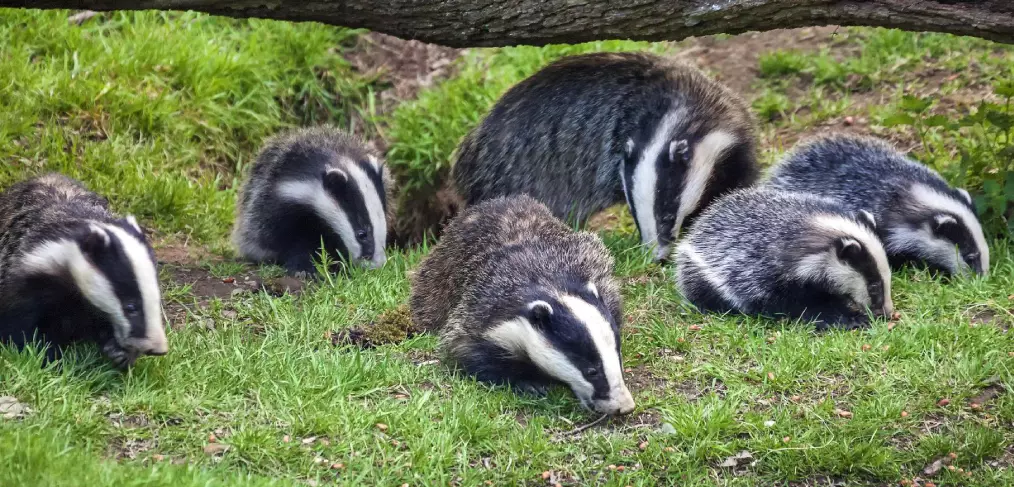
x=531, y=388
x=120, y=357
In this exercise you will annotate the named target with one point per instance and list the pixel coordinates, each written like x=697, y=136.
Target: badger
x=314, y=187
x=593, y=130
x=921, y=218
x=521, y=300
x=788, y=255
x=70, y=271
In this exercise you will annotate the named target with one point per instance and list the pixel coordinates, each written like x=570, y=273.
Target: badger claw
x=528, y=388
x=120, y=357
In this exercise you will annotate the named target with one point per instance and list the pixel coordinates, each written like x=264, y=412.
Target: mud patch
x=392, y=326
x=129, y=448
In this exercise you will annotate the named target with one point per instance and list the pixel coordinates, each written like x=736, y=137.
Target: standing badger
x=795, y=255
x=587, y=131
x=70, y=271
x=921, y=218
x=311, y=186
x=522, y=300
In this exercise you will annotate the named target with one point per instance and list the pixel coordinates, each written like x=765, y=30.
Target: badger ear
x=593, y=289
x=678, y=150
x=964, y=194
x=847, y=248
x=94, y=240
x=133, y=223
x=374, y=161
x=629, y=147
x=868, y=218
x=539, y=313
x=335, y=178
x=943, y=220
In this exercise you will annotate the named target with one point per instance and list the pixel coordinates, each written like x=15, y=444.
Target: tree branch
x=474, y=23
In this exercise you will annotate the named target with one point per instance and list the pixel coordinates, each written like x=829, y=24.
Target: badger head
x=844, y=256
x=937, y=228
x=572, y=338
x=670, y=174
x=113, y=268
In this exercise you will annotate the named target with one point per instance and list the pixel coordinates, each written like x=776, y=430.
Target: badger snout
x=376, y=262
x=661, y=253
x=620, y=402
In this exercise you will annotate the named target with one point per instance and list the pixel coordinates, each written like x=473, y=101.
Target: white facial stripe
x=708, y=274
x=930, y=198
x=846, y=227
x=702, y=166
x=602, y=335
x=520, y=338
x=312, y=194
x=154, y=338
x=371, y=196
x=643, y=181
x=133, y=222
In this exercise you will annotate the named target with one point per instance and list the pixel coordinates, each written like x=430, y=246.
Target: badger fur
x=921, y=218
x=781, y=254
x=314, y=186
x=589, y=131
x=520, y=299
x=70, y=271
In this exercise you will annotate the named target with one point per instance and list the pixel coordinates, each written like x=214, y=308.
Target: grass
x=260, y=373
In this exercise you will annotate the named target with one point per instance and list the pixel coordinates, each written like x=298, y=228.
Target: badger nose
x=661, y=253
x=620, y=403
x=374, y=263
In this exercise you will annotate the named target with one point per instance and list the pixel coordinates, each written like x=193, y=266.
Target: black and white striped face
x=571, y=338
x=354, y=205
x=941, y=230
x=114, y=269
x=846, y=254
x=671, y=174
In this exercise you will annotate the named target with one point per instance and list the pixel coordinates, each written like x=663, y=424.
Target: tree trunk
x=475, y=23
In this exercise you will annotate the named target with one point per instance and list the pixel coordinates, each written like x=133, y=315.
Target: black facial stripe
x=351, y=201
x=113, y=263
x=629, y=165
x=571, y=337
x=377, y=179
x=866, y=265
x=669, y=181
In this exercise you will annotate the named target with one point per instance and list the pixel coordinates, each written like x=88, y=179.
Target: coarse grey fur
x=71, y=271
x=780, y=254
x=921, y=218
x=310, y=186
x=521, y=299
x=593, y=130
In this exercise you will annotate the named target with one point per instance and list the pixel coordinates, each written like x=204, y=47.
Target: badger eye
x=592, y=372
x=972, y=257
x=361, y=235
x=131, y=309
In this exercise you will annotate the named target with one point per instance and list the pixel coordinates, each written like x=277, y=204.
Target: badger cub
x=72, y=272
x=780, y=254
x=590, y=131
x=921, y=218
x=520, y=299
x=314, y=186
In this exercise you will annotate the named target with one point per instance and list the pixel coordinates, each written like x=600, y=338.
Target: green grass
x=261, y=374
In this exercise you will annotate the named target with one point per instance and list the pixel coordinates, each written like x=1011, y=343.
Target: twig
x=582, y=428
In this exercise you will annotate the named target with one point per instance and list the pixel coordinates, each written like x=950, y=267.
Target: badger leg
x=487, y=365
x=299, y=263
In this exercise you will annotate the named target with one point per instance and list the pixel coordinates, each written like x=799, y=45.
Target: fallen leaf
x=736, y=460
x=309, y=440
x=337, y=466
x=769, y=423
x=215, y=448
x=795, y=398
x=771, y=376
x=669, y=449
x=620, y=468
x=933, y=468
x=229, y=280
x=866, y=347
x=695, y=327
x=381, y=426
x=667, y=428
x=10, y=408
x=546, y=475
x=843, y=413
x=157, y=457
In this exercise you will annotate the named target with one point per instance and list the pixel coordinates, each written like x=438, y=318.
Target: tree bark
x=480, y=23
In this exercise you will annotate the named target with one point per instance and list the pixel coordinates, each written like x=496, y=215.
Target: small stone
x=157, y=457
x=904, y=414
x=771, y=339
x=976, y=406
x=866, y=347
x=643, y=446
x=620, y=468
x=229, y=280
x=382, y=427
x=212, y=438
x=215, y=449
x=933, y=468
x=337, y=466
x=309, y=440
x=669, y=449
x=404, y=485
x=891, y=325
x=771, y=376
x=769, y=423
x=319, y=460
x=885, y=348
x=401, y=397
x=680, y=340
x=695, y=327
x=796, y=398
x=546, y=475
x=930, y=484
x=286, y=439
x=895, y=316
x=786, y=439
x=628, y=370
x=843, y=413
x=954, y=456
x=951, y=467
x=237, y=292
x=943, y=402
x=229, y=314
x=849, y=121
x=611, y=467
